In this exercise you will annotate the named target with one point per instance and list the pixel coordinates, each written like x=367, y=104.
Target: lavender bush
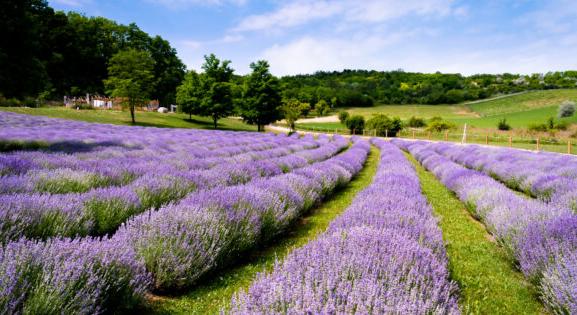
x=383, y=255
x=540, y=236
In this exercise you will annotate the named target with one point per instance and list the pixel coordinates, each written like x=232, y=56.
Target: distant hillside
x=360, y=88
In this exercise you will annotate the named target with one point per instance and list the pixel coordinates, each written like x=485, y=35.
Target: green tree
x=343, y=116
x=189, y=94
x=261, y=98
x=356, y=124
x=209, y=93
x=216, y=89
x=292, y=110
x=130, y=77
x=322, y=108
x=385, y=126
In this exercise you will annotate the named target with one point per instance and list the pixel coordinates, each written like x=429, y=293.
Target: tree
x=130, y=76
x=208, y=94
x=292, y=110
x=566, y=109
x=322, y=108
x=356, y=124
x=261, y=98
x=189, y=94
x=343, y=116
x=385, y=126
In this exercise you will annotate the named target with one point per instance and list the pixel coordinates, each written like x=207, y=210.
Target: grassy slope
x=149, y=119
x=519, y=110
x=210, y=297
x=489, y=282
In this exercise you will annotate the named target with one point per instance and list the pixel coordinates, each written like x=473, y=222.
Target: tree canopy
x=67, y=54
x=261, y=97
x=131, y=77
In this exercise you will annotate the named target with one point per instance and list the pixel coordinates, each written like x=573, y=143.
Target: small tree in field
x=566, y=109
x=189, y=94
x=261, y=97
x=356, y=124
x=131, y=78
x=322, y=108
x=503, y=125
x=343, y=116
x=292, y=110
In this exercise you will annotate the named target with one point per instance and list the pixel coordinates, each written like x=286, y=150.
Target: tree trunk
x=132, y=113
x=189, y=116
x=215, y=120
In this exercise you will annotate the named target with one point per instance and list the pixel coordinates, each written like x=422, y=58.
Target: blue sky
x=303, y=36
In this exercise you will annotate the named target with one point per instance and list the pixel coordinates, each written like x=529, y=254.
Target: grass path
x=216, y=292
x=489, y=281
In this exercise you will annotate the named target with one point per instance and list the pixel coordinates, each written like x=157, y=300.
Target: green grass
x=520, y=119
x=489, y=281
x=215, y=293
x=148, y=119
x=406, y=111
x=523, y=102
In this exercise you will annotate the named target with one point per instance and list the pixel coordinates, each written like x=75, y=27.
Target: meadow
x=103, y=218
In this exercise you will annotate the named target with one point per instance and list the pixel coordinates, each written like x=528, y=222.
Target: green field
x=148, y=119
x=520, y=110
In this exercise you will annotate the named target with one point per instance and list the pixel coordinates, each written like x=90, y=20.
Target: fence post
x=487, y=139
x=374, y=132
x=538, y=140
x=446, y=136
x=413, y=134
x=569, y=146
x=386, y=133
x=429, y=135
x=353, y=131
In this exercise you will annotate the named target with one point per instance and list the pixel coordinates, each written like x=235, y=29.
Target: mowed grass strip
x=145, y=119
x=216, y=292
x=488, y=279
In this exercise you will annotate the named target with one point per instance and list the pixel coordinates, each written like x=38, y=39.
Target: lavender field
x=99, y=219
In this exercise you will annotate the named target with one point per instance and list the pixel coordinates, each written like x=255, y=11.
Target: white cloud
x=310, y=54
x=292, y=14
x=177, y=4
x=302, y=12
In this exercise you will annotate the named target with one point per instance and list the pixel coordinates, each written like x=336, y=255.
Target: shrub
x=416, y=122
x=538, y=127
x=322, y=108
x=385, y=125
x=438, y=124
x=343, y=116
x=566, y=109
x=356, y=124
x=503, y=125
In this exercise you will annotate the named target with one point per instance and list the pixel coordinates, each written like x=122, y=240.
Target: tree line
x=52, y=54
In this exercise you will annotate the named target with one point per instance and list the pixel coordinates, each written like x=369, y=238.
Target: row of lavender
x=100, y=211
x=548, y=176
x=541, y=237
x=384, y=255
x=165, y=249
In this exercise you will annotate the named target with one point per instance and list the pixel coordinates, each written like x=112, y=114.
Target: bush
x=550, y=125
x=416, y=122
x=343, y=116
x=385, y=125
x=438, y=124
x=503, y=125
x=322, y=108
x=356, y=124
x=566, y=109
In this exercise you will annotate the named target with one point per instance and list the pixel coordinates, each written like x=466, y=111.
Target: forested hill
x=43, y=51
x=362, y=88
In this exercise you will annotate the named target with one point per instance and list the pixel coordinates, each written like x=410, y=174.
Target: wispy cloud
x=302, y=12
x=178, y=4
